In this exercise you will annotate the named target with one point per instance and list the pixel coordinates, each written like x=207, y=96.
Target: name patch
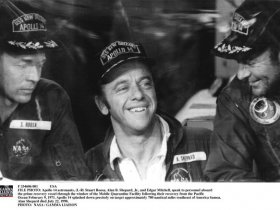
x=31, y=124
x=186, y=158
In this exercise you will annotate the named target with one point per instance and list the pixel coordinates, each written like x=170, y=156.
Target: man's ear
x=99, y=101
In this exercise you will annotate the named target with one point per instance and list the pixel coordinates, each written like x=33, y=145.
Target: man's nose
x=243, y=72
x=33, y=73
x=137, y=92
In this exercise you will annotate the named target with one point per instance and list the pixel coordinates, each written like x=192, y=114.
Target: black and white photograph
x=139, y=104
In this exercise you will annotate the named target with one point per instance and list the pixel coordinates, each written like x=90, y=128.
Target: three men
x=141, y=145
x=38, y=137
x=245, y=144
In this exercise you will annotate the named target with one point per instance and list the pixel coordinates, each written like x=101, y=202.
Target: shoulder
x=95, y=159
x=197, y=138
x=187, y=138
x=97, y=150
x=236, y=91
x=174, y=124
x=95, y=154
x=50, y=90
x=48, y=85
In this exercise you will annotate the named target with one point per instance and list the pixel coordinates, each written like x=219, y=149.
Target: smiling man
x=245, y=143
x=38, y=137
x=141, y=145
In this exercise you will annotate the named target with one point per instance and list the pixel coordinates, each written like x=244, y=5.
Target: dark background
x=178, y=34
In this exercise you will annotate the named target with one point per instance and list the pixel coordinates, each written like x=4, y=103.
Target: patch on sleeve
x=264, y=111
x=190, y=157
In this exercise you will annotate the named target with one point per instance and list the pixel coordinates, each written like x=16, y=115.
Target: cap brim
x=31, y=45
x=25, y=42
x=231, y=47
x=19, y=45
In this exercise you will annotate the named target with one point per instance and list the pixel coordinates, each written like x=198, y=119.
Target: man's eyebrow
x=124, y=81
x=26, y=60
x=30, y=59
x=146, y=77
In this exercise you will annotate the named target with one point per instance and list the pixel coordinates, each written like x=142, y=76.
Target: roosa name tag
x=31, y=124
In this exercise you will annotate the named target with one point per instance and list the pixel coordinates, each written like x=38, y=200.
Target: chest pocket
x=24, y=144
x=181, y=173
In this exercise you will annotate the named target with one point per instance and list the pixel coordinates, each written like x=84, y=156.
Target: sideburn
x=274, y=88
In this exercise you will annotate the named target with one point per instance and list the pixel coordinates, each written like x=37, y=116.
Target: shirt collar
x=116, y=153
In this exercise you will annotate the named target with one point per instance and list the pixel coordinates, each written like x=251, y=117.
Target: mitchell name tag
x=190, y=157
x=31, y=124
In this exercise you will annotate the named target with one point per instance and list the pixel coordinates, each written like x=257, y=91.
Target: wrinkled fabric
x=241, y=148
x=40, y=153
x=183, y=142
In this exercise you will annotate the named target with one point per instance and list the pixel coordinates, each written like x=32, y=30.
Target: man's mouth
x=255, y=83
x=27, y=90
x=138, y=109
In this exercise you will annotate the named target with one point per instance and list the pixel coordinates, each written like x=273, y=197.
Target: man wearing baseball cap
x=38, y=137
x=141, y=145
x=245, y=143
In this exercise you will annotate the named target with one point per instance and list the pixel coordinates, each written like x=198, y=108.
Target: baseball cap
x=254, y=25
x=120, y=52
x=23, y=29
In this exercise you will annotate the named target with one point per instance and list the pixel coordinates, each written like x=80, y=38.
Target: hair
x=274, y=54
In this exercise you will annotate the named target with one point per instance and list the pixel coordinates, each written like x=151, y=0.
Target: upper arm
x=232, y=143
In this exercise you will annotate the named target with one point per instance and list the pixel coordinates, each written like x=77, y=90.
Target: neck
x=6, y=108
x=141, y=147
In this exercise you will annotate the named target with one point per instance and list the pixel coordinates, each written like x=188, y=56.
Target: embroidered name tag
x=31, y=124
x=186, y=158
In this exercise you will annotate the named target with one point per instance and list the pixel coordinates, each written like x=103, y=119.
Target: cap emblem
x=116, y=49
x=240, y=25
x=29, y=22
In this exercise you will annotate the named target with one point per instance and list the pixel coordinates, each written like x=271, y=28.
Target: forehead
x=24, y=57
x=264, y=56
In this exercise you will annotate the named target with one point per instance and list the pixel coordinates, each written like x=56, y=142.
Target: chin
x=141, y=126
x=23, y=99
x=259, y=92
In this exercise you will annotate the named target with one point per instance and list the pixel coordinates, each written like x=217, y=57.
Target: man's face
x=262, y=74
x=131, y=99
x=19, y=75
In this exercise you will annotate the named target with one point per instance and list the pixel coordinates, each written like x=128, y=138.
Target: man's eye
x=146, y=83
x=22, y=65
x=122, y=88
